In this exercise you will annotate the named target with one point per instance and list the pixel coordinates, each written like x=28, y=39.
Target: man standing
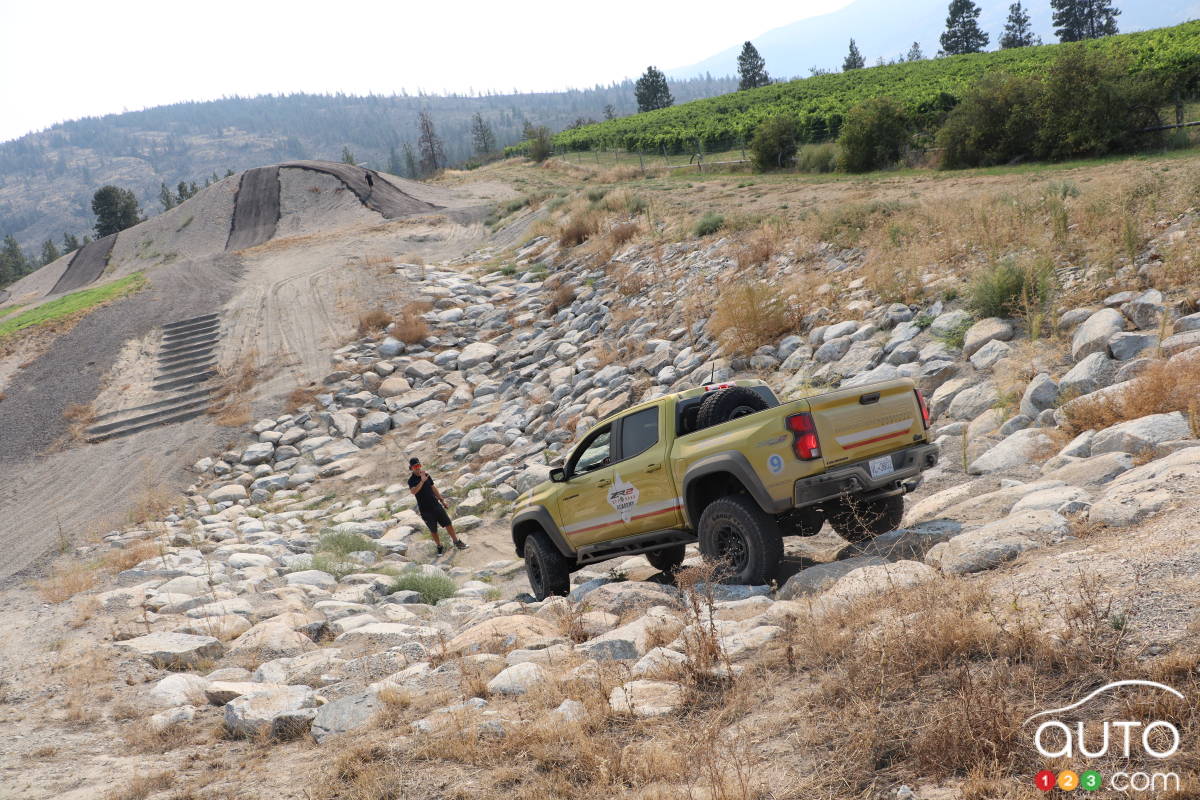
x=431, y=505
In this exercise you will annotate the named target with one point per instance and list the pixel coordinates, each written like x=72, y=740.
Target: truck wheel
x=743, y=540
x=548, y=570
x=726, y=404
x=668, y=559
x=858, y=521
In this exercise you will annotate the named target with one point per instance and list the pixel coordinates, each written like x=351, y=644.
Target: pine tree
x=1076, y=20
x=915, y=53
x=1017, y=31
x=165, y=197
x=70, y=243
x=348, y=156
x=609, y=111
x=752, y=69
x=652, y=91
x=13, y=264
x=854, y=59
x=963, y=34
x=116, y=209
x=433, y=155
x=394, y=166
x=182, y=192
x=482, y=136
x=49, y=252
x=410, y=162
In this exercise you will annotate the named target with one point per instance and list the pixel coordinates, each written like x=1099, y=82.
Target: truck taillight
x=924, y=407
x=805, y=444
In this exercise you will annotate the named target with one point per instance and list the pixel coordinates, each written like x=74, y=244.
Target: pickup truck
x=730, y=466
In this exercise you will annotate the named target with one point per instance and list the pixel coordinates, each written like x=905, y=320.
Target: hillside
x=268, y=619
x=885, y=29
x=47, y=178
x=926, y=88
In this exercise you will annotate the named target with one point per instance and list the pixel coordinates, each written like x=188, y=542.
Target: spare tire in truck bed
x=729, y=403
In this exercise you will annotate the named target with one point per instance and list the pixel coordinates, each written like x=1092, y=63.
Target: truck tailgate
x=858, y=423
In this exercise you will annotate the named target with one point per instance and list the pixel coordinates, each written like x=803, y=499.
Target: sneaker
x=461, y=545
x=441, y=550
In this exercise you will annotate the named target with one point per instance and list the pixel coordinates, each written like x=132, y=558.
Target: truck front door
x=643, y=491
x=583, y=504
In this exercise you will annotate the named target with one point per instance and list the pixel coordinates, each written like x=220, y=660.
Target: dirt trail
x=256, y=208
x=87, y=265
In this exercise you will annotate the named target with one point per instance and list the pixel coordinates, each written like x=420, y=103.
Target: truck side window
x=639, y=432
x=595, y=454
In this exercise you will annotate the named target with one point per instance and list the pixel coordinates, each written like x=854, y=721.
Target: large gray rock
x=232, y=492
x=861, y=357
x=1091, y=472
x=477, y=353
x=973, y=401
x=883, y=372
x=1129, y=345
x=1094, y=371
x=1093, y=335
x=643, y=698
x=376, y=422
x=1016, y=450
x=949, y=322
x=1141, y=434
x=174, y=650
x=422, y=370
x=394, y=386
x=818, y=578
x=258, y=453
x=345, y=714
x=978, y=550
x=909, y=544
x=878, y=579
x=519, y=679
x=902, y=333
x=343, y=424
x=984, y=331
x=1051, y=499
x=1127, y=505
x=1180, y=342
x=335, y=450
x=987, y=356
x=1145, y=310
x=283, y=712
x=1189, y=323
x=832, y=350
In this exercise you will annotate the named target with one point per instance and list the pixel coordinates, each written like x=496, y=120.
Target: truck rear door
x=866, y=421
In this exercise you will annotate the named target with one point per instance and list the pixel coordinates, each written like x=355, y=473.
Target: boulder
x=394, y=386
x=948, y=322
x=283, y=712
x=1014, y=451
x=1129, y=345
x=625, y=596
x=909, y=544
x=1145, y=310
x=987, y=356
x=180, y=689
x=518, y=679
x=258, y=453
x=973, y=401
x=229, y=493
x=174, y=650
x=1094, y=334
x=344, y=714
x=507, y=632
x=1091, y=472
x=877, y=579
x=635, y=638
x=978, y=550
x=832, y=350
x=1040, y=394
x=820, y=577
x=645, y=698
x=984, y=331
x=1051, y=499
x=477, y=353
x=1123, y=506
x=272, y=639
x=1091, y=373
x=1141, y=434
x=171, y=718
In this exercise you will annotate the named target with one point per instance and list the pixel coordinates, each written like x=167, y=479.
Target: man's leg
x=432, y=523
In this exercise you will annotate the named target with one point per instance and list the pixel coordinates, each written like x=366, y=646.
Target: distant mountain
x=47, y=178
x=887, y=28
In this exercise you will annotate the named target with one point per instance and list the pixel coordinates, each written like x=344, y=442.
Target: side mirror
x=558, y=475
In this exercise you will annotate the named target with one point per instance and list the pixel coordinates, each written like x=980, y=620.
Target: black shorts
x=434, y=517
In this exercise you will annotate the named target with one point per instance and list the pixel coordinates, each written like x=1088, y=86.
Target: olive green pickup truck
x=728, y=465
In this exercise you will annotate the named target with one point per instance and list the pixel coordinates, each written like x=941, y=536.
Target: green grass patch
x=709, y=224
x=83, y=300
x=342, y=544
x=4, y=312
x=431, y=587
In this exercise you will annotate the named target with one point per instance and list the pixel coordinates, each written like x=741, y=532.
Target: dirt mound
x=379, y=194
x=87, y=265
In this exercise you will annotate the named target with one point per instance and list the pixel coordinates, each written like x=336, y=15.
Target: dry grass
x=750, y=314
x=65, y=581
x=578, y=228
x=231, y=403
x=123, y=558
x=153, y=501
x=1166, y=386
x=79, y=416
x=563, y=296
x=755, y=253
x=373, y=321
x=411, y=327
x=139, y=787
x=623, y=232
x=300, y=397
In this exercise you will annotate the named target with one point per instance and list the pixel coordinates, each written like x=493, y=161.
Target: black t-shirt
x=426, y=500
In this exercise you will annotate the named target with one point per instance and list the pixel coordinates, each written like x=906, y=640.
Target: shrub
x=1007, y=288
x=774, y=144
x=874, y=135
x=580, y=227
x=709, y=224
x=370, y=321
x=432, y=588
x=1164, y=387
x=411, y=327
x=622, y=233
x=817, y=158
x=595, y=195
x=540, y=146
x=750, y=314
x=994, y=124
x=342, y=544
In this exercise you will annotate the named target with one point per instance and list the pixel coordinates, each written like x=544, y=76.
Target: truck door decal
x=647, y=510
x=623, y=496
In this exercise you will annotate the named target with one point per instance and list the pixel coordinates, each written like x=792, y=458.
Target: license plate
x=880, y=466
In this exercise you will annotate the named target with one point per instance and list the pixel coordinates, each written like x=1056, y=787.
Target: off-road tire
x=668, y=559
x=726, y=404
x=859, y=522
x=741, y=539
x=549, y=571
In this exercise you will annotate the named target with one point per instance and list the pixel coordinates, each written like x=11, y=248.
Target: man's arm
x=441, y=499
x=418, y=487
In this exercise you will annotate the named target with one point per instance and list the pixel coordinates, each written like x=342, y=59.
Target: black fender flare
x=539, y=516
x=737, y=465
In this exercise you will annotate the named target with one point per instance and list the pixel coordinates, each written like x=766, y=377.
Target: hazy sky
x=64, y=59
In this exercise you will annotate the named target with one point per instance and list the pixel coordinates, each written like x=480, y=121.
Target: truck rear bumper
x=856, y=478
